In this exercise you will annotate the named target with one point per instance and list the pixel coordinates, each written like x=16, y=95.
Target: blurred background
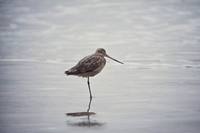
x=132, y=29
x=156, y=90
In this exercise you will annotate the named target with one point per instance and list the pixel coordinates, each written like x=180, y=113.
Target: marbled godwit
x=90, y=66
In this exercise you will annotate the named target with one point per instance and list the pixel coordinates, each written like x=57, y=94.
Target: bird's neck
x=99, y=54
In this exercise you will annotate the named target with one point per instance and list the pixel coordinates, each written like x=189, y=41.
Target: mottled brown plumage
x=90, y=65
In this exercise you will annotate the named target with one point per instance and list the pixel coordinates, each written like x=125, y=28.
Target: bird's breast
x=94, y=67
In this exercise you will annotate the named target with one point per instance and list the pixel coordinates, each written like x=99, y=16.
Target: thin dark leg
x=88, y=110
x=88, y=81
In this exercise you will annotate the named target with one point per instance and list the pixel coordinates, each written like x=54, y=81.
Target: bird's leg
x=88, y=110
x=88, y=81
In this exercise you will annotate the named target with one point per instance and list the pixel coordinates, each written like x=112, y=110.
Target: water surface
x=156, y=90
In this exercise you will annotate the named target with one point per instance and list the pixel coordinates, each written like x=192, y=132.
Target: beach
x=36, y=96
x=156, y=90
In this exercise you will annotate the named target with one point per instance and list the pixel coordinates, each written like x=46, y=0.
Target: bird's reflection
x=84, y=122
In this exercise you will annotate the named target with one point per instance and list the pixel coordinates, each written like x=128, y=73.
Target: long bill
x=114, y=59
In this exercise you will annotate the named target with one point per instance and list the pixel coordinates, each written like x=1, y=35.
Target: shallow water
x=36, y=96
x=156, y=90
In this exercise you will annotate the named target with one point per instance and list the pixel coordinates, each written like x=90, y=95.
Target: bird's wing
x=89, y=64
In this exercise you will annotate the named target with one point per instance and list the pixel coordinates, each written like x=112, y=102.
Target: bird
x=90, y=66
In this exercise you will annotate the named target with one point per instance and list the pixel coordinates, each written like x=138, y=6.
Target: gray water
x=156, y=90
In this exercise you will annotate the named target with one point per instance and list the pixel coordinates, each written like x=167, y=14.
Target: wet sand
x=155, y=91
x=35, y=97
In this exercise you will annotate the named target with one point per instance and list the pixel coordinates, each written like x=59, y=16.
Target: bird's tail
x=70, y=72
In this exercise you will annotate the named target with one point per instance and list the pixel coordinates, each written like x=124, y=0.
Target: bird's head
x=102, y=52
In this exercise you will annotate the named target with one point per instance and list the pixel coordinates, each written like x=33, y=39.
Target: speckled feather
x=88, y=66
